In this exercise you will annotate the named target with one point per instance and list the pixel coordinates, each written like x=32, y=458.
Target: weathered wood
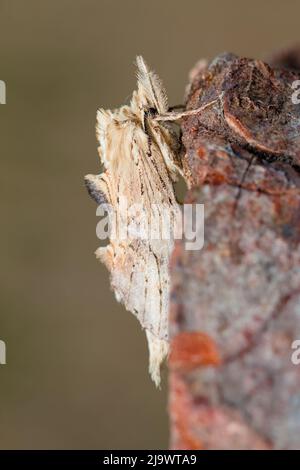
x=235, y=305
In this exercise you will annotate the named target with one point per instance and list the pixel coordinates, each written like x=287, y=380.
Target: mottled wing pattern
x=140, y=163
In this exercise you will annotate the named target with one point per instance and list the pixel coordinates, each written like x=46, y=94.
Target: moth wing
x=140, y=194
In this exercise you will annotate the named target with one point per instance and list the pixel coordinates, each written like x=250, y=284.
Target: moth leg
x=243, y=179
x=177, y=116
x=173, y=116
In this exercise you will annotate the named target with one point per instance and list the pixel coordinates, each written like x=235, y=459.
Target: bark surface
x=235, y=304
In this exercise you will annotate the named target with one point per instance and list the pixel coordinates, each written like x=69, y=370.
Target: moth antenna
x=152, y=85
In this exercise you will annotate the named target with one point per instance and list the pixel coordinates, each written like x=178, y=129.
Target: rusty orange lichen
x=193, y=349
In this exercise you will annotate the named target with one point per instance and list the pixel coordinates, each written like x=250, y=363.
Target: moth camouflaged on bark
x=141, y=162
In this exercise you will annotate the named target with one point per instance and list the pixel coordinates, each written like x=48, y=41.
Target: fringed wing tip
x=141, y=65
x=153, y=85
x=158, y=351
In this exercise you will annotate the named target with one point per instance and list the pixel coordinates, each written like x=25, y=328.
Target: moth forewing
x=140, y=161
x=158, y=351
x=164, y=140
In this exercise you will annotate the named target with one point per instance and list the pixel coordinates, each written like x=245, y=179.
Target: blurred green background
x=76, y=375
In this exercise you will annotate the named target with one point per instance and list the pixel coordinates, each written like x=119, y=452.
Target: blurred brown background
x=76, y=375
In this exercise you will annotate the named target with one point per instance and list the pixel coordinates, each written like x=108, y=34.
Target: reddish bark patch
x=193, y=349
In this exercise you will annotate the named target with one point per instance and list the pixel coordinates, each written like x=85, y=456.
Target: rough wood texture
x=235, y=305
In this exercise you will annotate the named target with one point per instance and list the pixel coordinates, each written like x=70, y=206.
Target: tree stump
x=235, y=304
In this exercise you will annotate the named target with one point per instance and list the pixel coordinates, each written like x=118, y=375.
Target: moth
x=140, y=156
x=140, y=153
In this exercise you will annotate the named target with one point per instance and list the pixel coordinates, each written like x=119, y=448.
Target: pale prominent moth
x=140, y=156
